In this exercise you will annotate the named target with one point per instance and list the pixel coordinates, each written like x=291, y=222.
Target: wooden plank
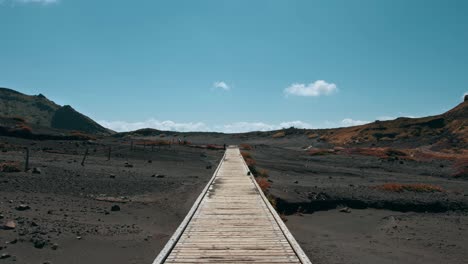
x=232, y=222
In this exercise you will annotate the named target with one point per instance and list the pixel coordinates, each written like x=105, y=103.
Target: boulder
x=345, y=210
x=22, y=207
x=10, y=224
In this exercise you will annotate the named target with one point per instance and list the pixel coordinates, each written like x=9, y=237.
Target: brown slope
x=446, y=130
x=37, y=110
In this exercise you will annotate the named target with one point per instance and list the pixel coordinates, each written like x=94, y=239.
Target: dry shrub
x=415, y=187
x=383, y=153
x=19, y=119
x=82, y=136
x=153, y=142
x=320, y=152
x=461, y=168
x=245, y=147
x=246, y=155
x=262, y=173
x=279, y=134
x=214, y=147
x=263, y=183
x=314, y=135
x=428, y=155
x=21, y=129
x=10, y=166
x=250, y=162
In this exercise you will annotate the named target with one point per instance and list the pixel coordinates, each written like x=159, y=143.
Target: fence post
x=109, y=153
x=84, y=157
x=26, y=162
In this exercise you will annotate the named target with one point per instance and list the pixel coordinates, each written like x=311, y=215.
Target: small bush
x=153, y=142
x=214, y=147
x=21, y=129
x=395, y=152
x=262, y=173
x=246, y=155
x=416, y=187
x=263, y=183
x=320, y=152
x=250, y=162
x=245, y=147
x=383, y=153
x=279, y=134
x=10, y=166
x=19, y=119
x=82, y=136
x=314, y=135
x=461, y=168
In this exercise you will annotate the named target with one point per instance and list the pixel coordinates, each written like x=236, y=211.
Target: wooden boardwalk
x=232, y=222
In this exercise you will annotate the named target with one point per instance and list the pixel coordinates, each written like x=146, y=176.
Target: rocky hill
x=447, y=130
x=37, y=110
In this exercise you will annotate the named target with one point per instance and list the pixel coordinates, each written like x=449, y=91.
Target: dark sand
x=406, y=227
x=68, y=201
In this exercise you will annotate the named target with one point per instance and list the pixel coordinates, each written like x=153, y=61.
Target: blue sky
x=237, y=65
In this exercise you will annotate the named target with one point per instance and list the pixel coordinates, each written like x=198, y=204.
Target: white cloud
x=317, y=88
x=385, y=118
x=351, y=122
x=235, y=127
x=43, y=2
x=239, y=127
x=221, y=85
x=122, y=126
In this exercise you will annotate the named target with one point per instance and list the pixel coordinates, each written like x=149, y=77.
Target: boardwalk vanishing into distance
x=232, y=222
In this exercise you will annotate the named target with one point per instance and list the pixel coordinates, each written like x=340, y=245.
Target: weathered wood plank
x=232, y=222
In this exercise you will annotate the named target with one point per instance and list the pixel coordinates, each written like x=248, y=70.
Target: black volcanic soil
x=378, y=226
x=71, y=205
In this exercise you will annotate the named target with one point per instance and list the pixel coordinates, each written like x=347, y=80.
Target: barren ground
x=70, y=218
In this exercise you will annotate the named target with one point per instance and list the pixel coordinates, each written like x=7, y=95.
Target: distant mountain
x=37, y=110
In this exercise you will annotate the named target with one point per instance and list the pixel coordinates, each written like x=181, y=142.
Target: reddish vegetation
x=461, y=167
x=246, y=155
x=209, y=146
x=250, y=162
x=10, y=166
x=418, y=187
x=21, y=129
x=214, y=147
x=82, y=136
x=383, y=153
x=153, y=142
x=263, y=183
x=245, y=147
x=262, y=173
x=279, y=134
x=428, y=155
x=319, y=152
